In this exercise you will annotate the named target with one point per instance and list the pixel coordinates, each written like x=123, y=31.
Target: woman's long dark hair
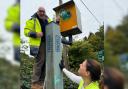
x=113, y=78
x=94, y=68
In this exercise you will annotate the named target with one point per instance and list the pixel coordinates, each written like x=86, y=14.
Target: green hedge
x=9, y=75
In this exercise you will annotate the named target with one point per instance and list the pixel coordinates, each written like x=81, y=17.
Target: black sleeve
x=32, y=34
x=16, y=28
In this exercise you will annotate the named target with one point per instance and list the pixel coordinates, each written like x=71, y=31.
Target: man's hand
x=39, y=34
x=57, y=19
x=61, y=64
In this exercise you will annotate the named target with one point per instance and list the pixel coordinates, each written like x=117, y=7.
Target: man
x=12, y=24
x=35, y=30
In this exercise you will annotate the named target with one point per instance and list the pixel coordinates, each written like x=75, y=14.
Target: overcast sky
x=106, y=11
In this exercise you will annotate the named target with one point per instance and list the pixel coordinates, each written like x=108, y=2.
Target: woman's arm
x=72, y=76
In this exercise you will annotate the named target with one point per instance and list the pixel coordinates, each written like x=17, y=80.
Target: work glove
x=61, y=64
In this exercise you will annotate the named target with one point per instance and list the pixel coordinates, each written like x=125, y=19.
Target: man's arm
x=28, y=30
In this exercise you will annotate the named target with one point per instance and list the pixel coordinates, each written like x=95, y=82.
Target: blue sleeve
x=16, y=28
x=32, y=34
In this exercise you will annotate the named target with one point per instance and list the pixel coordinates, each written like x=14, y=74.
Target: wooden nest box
x=70, y=18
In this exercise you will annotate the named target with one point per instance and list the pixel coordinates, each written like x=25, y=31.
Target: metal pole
x=54, y=76
x=60, y=2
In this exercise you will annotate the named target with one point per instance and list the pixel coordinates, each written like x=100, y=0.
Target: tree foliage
x=9, y=75
x=116, y=43
x=86, y=48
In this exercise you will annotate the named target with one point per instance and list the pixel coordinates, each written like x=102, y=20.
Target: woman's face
x=82, y=70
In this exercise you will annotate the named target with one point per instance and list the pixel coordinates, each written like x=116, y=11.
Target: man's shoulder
x=31, y=19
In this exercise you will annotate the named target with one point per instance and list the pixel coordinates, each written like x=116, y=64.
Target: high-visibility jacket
x=13, y=17
x=33, y=25
x=93, y=85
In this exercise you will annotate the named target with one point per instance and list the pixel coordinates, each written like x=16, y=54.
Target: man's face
x=41, y=12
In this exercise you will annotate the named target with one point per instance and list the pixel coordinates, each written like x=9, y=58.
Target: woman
x=89, y=71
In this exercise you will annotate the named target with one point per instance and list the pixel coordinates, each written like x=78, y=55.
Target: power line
x=90, y=12
x=118, y=5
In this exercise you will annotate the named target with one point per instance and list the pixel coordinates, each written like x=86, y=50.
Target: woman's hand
x=61, y=64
